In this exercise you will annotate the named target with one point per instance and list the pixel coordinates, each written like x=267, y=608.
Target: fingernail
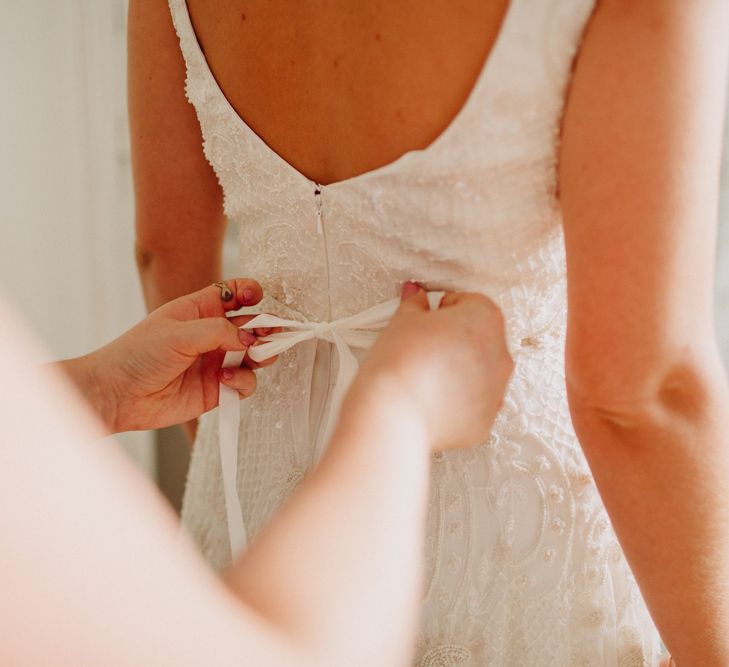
x=246, y=337
x=227, y=374
x=247, y=295
x=408, y=289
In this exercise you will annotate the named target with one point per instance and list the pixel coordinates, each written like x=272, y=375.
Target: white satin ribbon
x=356, y=331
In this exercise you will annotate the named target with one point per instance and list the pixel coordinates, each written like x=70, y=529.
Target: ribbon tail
x=228, y=425
x=348, y=367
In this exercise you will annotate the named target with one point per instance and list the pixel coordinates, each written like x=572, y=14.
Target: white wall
x=66, y=253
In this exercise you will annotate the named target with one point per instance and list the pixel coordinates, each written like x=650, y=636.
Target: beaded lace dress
x=523, y=567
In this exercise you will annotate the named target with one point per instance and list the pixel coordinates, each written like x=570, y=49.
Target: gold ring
x=226, y=294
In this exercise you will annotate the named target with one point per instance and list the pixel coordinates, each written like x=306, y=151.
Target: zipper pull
x=317, y=200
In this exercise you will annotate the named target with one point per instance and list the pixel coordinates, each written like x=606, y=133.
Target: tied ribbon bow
x=356, y=331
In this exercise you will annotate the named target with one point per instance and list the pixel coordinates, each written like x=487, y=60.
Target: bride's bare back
x=340, y=88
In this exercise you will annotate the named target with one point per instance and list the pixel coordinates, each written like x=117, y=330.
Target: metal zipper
x=318, y=207
x=317, y=203
x=318, y=192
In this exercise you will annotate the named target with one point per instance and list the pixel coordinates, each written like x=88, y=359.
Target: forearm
x=663, y=473
x=84, y=374
x=345, y=553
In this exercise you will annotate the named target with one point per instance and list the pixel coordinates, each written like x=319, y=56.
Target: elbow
x=144, y=257
x=626, y=397
x=154, y=243
x=152, y=253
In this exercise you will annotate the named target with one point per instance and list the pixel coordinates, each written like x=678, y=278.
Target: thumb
x=207, y=334
x=414, y=296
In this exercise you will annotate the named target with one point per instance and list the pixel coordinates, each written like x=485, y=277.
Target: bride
x=542, y=152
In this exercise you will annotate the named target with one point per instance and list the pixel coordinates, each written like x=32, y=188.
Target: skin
x=638, y=186
x=161, y=604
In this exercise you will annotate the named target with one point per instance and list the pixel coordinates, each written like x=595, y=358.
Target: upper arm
x=178, y=198
x=639, y=169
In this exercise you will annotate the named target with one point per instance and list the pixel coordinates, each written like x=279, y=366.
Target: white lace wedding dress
x=523, y=567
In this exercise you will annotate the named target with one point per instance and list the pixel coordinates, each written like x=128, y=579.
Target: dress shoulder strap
x=198, y=73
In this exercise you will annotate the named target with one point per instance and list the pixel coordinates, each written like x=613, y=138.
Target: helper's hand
x=167, y=369
x=448, y=366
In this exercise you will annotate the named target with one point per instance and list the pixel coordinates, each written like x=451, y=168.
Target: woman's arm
x=649, y=400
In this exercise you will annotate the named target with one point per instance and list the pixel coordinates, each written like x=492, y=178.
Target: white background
x=66, y=248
